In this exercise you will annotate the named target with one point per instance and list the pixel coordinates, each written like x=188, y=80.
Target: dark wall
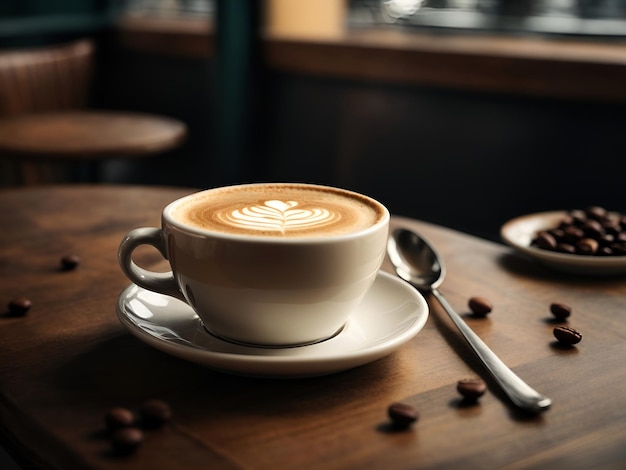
x=182, y=88
x=465, y=160
x=28, y=23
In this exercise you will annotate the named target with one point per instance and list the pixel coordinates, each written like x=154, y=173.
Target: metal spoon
x=417, y=262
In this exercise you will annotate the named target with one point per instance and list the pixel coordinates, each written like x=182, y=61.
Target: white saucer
x=391, y=314
x=520, y=231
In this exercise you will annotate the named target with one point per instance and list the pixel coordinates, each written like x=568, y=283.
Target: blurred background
x=464, y=113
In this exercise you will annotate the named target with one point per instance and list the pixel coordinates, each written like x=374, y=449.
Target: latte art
x=278, y=210
x=278, y=216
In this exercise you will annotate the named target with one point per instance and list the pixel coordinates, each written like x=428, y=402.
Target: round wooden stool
x=83, y=136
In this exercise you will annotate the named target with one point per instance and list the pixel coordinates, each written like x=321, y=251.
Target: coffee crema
x=279, y=210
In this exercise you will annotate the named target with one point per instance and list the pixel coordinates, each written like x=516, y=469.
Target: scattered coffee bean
x=560, y=311
x=127, y=430
x=593, y=231
x=155, y=413
x=402, y=414
x=567, y=335
x=70, y=262
x=118, y=417
x=480, y=306
x=20, y=306
x=471, y=389
x=126, y=440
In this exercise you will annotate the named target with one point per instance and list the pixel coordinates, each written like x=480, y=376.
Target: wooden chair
x=44, y=123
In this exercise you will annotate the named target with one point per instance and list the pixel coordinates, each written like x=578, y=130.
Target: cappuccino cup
x=267, y=264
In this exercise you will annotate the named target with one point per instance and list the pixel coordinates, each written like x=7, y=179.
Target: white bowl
x=519, y=233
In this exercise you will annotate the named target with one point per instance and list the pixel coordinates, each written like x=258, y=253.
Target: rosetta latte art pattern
x=279, y=216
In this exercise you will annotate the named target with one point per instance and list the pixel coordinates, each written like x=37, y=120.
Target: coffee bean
x=480, y=306
x=587, y=246
x=590, y=232
x=19, y=306
x=155, y=413
x=70, y=262
x=560, y=311
x=572, y=234
x=618, y=249
x=605, y=251
x=402, y=414
x=596, y=212
x=126, y=440
x=611, y=227
x=567, y=335
x=575, y=217
x=119, y=417
x=545, y=240
x=566, y=248
x=606, y=239
x=471, y=389
x=557, y=233
x=593, y=228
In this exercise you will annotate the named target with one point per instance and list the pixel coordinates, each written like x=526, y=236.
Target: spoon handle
x=517, y=390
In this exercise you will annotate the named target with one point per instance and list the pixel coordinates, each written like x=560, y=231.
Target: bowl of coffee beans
x=588, y=241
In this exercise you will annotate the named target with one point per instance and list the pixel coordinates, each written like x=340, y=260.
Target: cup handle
x=162, y=283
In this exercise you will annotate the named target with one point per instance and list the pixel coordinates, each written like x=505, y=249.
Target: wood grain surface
x=527, y=66
x=69, y=360
x=87, y=135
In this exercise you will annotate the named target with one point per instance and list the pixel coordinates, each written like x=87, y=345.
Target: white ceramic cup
x=269, y=281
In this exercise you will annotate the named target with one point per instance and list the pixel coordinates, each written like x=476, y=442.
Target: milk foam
x=279, y=216
x=278, y=210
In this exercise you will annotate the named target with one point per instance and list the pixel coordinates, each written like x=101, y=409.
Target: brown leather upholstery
x=44, y=79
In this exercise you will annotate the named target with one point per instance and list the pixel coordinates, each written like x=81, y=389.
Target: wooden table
x=69, y=360
x=86, y=136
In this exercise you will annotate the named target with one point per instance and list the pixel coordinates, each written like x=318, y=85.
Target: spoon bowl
x=415, y=260
x=418, y=263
